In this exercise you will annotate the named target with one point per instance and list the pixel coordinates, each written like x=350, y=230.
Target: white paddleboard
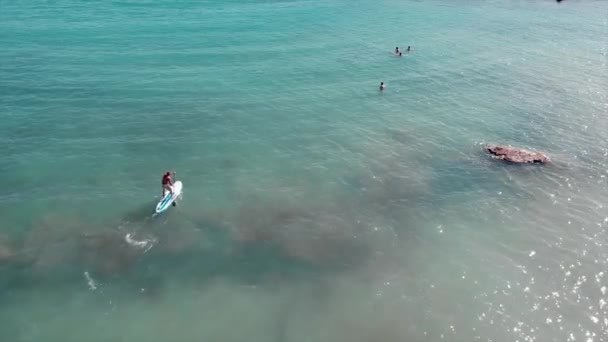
x=169, y=198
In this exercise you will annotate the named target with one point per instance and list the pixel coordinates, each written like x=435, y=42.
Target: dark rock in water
x=516, y=155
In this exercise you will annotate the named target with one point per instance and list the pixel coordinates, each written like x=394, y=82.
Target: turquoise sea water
x=315, y=208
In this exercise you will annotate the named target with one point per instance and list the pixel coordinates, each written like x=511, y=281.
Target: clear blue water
x=315, y=208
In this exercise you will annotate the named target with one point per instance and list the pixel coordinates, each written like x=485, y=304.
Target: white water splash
x=141, y=244
x=90, y=281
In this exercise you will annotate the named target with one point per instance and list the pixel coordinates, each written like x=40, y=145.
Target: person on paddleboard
x=167, y=182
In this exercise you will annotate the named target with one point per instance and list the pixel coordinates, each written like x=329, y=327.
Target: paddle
x=174, y=201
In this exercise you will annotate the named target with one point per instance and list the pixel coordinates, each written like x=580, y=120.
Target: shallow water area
x=315, y=207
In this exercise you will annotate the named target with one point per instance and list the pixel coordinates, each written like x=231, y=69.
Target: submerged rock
x=516, y=155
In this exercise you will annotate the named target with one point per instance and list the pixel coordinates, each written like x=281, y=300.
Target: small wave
x=145, y=244
x=90, y=281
